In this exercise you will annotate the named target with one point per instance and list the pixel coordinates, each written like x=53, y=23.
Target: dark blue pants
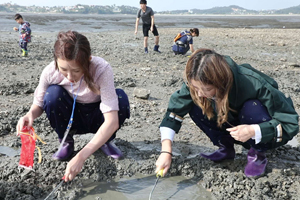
x=87, y=117
x=253, y=112
x=180, y=49
x=23, y=45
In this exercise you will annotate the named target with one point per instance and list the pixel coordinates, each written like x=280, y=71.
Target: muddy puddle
x=294, y=142
x=9, y=151
x=139, y=187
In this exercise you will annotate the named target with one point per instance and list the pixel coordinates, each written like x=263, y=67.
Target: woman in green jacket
x=231, y=104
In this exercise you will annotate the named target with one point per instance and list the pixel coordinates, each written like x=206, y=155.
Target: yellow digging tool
x=159, y=174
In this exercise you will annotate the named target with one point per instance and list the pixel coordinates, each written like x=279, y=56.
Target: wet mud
x=273, y=51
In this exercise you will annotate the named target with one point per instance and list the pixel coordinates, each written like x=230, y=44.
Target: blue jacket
x=25, y=32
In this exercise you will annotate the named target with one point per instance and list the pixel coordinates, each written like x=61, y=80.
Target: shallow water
x=9, y=151
x=294, y=142
x=139, y=188
x=98, y=23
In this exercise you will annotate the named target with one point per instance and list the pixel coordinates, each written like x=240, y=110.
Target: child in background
x=25, y=33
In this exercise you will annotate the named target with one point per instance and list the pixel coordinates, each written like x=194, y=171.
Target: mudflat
x=275, y=52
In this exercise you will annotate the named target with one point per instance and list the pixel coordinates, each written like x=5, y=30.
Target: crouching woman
x=77, y=93
x=231, y=104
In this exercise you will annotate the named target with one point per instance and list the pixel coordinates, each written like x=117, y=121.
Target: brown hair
x=72, y=45
x=208, y=67
x=195, y=30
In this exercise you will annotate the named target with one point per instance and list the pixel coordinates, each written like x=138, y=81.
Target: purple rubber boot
x=112, y=150
x=225, y=151
x=257, y=162
x=67, y=149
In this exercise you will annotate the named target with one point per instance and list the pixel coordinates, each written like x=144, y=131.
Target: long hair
x=208, y=67
x=72, y=45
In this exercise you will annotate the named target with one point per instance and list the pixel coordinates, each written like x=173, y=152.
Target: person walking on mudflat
x=231, y=104
x=77, y=93
x=147, y=15
x=25, y=33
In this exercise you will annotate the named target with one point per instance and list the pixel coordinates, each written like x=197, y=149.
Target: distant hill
x=98, y=9
x=225, y=10
x=233, y=9
x=3, y=9
x=77, y=9
x=291, y=10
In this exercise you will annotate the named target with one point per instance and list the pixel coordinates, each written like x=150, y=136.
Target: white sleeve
x=167, y=133
x=257, y=136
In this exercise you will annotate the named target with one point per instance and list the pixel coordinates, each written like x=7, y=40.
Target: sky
x=164, y=5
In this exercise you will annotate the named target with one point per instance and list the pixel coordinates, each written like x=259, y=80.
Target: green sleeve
x=283, y=114
x=180, y=104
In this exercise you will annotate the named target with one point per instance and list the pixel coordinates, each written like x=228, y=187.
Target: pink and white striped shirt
x=102, y=75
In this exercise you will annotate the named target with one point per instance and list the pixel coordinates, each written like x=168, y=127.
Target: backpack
x=179, y=35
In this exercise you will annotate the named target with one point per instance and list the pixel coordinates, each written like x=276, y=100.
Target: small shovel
x=56, y=188
x=159, y=174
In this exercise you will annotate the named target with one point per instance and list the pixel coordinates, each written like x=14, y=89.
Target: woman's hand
x=26, y=120
x=242, y=132
x=106, y=130
x=73, y=168
x=163, y=162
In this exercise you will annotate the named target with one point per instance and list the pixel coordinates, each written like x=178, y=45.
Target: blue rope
x=71, y=118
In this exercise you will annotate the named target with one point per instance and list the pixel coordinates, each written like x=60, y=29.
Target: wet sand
x=276, y=52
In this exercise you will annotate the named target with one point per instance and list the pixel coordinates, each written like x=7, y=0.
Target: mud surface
x=273, y=51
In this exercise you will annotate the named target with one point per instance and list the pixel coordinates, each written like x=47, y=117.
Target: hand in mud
x=242, y=132
x=73, y=168
x=163, y=162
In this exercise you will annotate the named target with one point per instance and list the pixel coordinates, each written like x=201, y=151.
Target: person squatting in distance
x=183, y=41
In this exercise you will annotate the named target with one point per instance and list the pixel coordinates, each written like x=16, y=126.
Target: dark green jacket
x=249, y=83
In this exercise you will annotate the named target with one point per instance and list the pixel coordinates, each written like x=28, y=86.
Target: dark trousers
x=146, y=29
x=87, y=117
x=23, y=45
x=180, y=49
x=253, y=112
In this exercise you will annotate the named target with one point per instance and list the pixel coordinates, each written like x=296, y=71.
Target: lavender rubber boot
x=257, y=162
x=112, y=150
x=67, y=149
x=226, y=150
